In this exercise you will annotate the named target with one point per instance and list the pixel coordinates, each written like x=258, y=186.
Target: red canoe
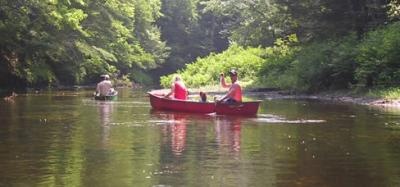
x=158, y=102
x=247, y=108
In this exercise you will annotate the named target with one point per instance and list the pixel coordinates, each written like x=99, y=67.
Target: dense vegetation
x=297, y=45
x=69, y=42
x=335, y=52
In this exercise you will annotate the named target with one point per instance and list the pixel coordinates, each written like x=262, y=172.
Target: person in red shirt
x=234, y=94
x=178, y=89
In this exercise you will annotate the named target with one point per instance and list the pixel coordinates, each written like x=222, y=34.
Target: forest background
x=304, y=46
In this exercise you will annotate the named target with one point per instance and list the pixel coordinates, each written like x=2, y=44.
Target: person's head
x=233, y=75
x=177, y=78
x=203, y=96
x=105, y=77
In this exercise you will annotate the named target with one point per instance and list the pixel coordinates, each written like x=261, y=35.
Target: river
x=65, y=138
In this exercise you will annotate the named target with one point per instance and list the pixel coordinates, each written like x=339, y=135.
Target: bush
x=336, y=63
x=379, y=57
x=277, y=62
x=312, y=67
x=205, y=71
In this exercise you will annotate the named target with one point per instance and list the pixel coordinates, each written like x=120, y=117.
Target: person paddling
x=234, y=94
x=105, y=88
x=178, y=89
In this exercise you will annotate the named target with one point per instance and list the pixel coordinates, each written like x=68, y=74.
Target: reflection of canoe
x=107, y=97
x=247, y=108
x=158, y=102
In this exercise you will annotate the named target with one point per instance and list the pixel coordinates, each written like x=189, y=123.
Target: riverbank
x=336, y=97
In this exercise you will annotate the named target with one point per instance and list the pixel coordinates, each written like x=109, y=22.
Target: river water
x=65, y=138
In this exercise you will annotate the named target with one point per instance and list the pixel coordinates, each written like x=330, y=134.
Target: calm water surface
x=68, y=139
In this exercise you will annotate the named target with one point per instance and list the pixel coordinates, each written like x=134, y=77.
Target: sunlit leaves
x=394, y=9
x=205, y=71
x=123, y=7
x=76, y=40
x=74, y=17
x=120, y=30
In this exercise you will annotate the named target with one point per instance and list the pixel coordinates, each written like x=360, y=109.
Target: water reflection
x=105, y=109
x=175, y=128
x=228, y=133
x=178, y=133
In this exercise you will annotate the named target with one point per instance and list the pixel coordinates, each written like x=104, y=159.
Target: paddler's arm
x=222, y=81
x=97, y=90
x=171, y=92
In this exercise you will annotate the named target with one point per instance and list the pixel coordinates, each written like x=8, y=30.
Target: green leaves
x=205, y=71
x=73, y=41
x=378, y=57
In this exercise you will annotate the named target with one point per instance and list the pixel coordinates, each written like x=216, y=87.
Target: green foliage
x=276, y=63
x=190, y=32
x=252, y=23
x=73, y=41
x=388, y=93
x=40, y=73
x=379, y=57
x=260, y=22
x=205, y=71
x=313, y=67
x=140, y=77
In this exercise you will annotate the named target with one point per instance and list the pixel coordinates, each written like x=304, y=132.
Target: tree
x=73, y=41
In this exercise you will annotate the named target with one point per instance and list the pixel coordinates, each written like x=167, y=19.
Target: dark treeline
x=67, y=42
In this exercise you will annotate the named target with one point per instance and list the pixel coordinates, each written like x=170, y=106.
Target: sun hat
x=105, y=76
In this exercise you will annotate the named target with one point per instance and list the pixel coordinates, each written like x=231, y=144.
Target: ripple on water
x=269, y=118
x=132, y=104
x=143, y=123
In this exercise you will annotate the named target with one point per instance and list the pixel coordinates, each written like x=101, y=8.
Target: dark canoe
x=247, y=108
x=107, y=97
x=159, y=102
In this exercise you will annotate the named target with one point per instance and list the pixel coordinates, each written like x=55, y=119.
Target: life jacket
x=180, y=91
